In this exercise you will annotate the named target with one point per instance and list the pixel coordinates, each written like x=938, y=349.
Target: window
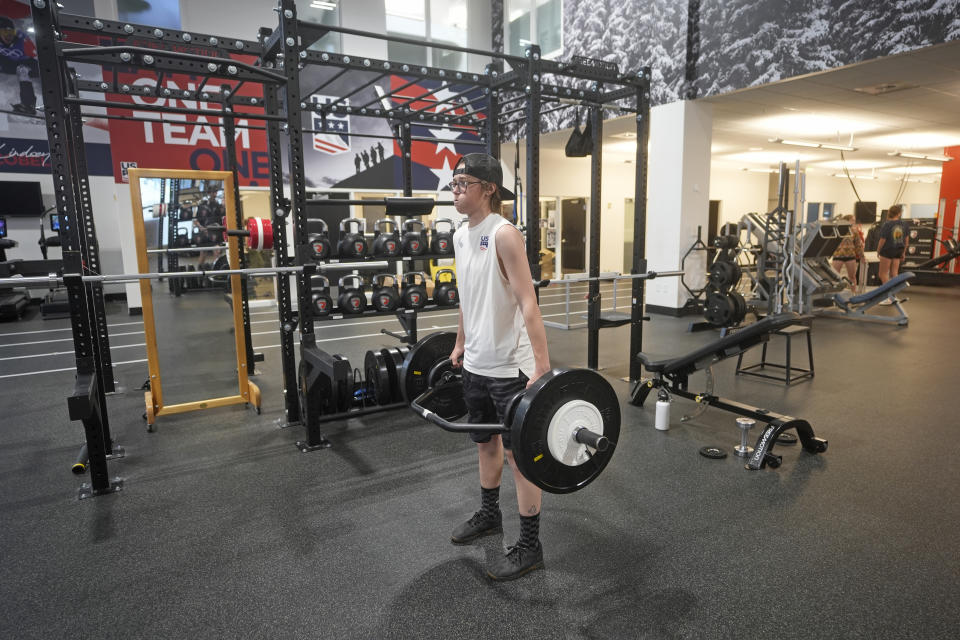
x=534, y=22
x=323, y=13
x=442, y=21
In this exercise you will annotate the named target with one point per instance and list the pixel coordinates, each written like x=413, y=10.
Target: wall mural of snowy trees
x=745, y=43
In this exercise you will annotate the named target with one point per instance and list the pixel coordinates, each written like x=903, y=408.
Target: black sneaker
x=479, y=524
x=517, y=561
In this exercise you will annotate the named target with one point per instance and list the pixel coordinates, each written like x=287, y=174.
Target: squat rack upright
x=281, y=53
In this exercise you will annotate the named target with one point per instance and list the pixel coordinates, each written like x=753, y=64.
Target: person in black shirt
x=894, y=237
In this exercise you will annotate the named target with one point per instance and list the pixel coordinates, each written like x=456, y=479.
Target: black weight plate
x=713, y=452
x=377, y=375
x=343, y=387
x=740, y=305
x=721, y=275
x=394, y=361
x=384, y=390
x=447, y=400
x=531, y=424
x=720, y=309
x=421, y=359
x=438, y=370
x=786, y=438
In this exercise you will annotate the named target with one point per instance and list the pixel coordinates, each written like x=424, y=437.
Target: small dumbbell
x=743, y=450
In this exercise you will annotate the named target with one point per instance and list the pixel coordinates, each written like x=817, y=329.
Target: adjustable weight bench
x=856, y=307
x=673, y=376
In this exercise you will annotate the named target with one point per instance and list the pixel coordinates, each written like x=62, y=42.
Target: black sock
x=490, y=501
x=529, y=532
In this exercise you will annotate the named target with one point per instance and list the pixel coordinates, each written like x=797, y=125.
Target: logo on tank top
x=484, y=242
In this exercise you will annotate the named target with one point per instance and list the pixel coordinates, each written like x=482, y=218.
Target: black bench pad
x=729, y=345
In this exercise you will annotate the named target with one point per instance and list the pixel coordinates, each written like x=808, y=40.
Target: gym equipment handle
x=580, y=434
x=446, y=425
x=591, y=438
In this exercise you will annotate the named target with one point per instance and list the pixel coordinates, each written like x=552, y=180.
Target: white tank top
x=496, y=339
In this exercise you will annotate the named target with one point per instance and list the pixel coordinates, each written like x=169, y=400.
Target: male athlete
x=502, y=347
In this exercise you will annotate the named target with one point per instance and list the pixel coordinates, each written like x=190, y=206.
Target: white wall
x=677, y=194
x=563, y=177
x=26, y=230
x=739, y=192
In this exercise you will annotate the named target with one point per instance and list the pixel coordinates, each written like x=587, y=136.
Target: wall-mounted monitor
x=20, y=199
x=865, y=212
x=3, y=227
x=55, y=222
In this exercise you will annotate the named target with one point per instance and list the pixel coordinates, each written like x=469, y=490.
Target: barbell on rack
x=564, y=427
x=56, y=280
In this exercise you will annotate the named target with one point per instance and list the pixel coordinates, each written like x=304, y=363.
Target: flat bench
x=672, y=374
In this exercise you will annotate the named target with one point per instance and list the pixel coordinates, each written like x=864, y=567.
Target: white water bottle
x=662, y=421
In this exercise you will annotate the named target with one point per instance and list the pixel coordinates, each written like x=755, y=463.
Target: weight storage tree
x=273, y=63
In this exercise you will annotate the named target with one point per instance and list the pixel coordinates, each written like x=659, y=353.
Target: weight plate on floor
x=713, y=452
x=394, y=361
x=551, y=396
x=343, y=386
x=421, y=359
x=786, y=438
x=377, y=375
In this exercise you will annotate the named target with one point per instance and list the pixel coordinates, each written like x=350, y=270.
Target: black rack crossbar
x=327, y=83
x=463, y=105
x=513, y=60
x=389, y=94
x=86, y=102
x=544, y=112
x=379, y=137
x=421, y=96
x=76, y=51
x=78, y=23
x=158, y=121
x=329, y=107
x=446, y=100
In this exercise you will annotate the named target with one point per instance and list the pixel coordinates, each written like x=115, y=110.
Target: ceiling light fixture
x=814, y=145
x=320, y=4
x=852, y=175
x=919, y=156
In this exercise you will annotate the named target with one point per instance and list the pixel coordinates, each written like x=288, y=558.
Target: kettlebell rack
x=406, y=308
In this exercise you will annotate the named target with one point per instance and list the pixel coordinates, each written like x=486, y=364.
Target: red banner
x=183, y=141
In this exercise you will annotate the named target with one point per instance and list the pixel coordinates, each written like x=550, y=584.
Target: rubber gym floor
x=224, y=529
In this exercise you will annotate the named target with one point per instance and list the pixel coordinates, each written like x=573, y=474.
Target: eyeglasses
x=461, y=185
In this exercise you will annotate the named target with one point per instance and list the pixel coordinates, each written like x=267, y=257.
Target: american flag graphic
x=440, y=155
x=335, y=138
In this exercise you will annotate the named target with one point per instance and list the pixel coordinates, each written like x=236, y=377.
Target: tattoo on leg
x=532, y=511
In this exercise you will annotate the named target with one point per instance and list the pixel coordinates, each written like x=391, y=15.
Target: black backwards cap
x=483, y=167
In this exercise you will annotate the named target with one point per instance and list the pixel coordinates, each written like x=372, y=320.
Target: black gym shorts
x=892, y=254
x=487, y=399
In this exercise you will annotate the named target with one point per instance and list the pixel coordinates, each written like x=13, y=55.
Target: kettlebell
x=386, y=244
x=320, y=295
x=414, y=290
x=442, y=241
x=413, y=242
x=352, y=298
x=352, y=243
x=320, y=248
x=385, y=296
x=445, y=293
